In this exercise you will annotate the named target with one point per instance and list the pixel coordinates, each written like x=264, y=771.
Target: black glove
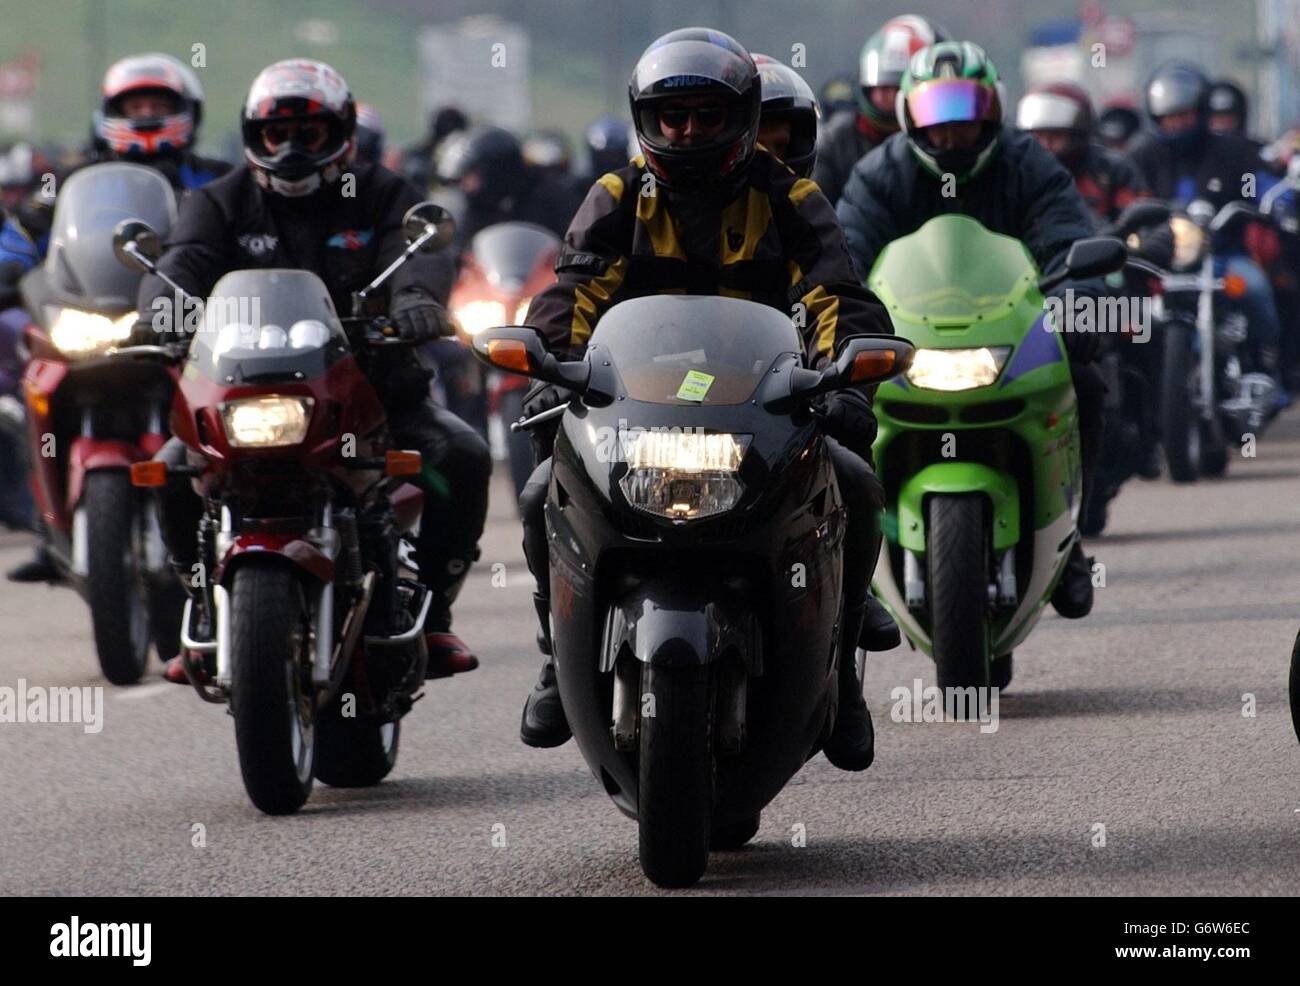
x=418, y=318
x=143, y=334
x=849, y=420
x=544, y=396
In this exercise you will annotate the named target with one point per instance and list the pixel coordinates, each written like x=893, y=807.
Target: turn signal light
x=509, y=354
x=148, y=473
x=402, y=463
x=873, y=365
x=1234, y=285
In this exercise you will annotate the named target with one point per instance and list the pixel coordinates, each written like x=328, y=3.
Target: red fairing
x=302, y=554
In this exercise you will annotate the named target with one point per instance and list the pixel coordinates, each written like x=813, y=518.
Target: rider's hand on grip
x=847, y=418
x=418, y=318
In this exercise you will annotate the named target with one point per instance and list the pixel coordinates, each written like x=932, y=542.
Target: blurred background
x=562, y=63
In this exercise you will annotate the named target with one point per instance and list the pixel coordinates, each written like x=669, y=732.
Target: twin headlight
x=266, y=422
x=683, y=475
x=78, y=333
x=957, y=369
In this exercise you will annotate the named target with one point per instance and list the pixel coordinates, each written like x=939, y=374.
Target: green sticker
x=694, y=386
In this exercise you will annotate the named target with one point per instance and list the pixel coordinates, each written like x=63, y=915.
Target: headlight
x=957, y=369
x=265, y=422
x=79, y=333
x=1189, y=239
x=683, y=475
x=475, y=316
x=521, y=312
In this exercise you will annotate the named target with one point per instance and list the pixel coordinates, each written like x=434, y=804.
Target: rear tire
x=1180, y=420
x=354, y=751
x=274, y=714
x=957, y=557
x=675, y=792
x=115, y=587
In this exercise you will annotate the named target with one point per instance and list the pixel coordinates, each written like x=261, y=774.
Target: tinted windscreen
x=262, y=324
x=508, y=252
x=80, y=265
x=694, y=350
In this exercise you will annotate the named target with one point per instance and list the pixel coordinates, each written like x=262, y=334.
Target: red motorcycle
x=505, y=266
x=309, y=624
x=90, y=417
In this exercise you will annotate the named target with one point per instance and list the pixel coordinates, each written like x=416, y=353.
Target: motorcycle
x=696, y=534
x=307, y=622
x=978, y=447
x=91, y=417
x=1209, y=398
x=505, y=266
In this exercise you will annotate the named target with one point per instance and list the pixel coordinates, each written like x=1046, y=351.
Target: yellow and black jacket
x=778, y=242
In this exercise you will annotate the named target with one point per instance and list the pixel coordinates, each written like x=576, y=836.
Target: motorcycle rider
x=289, y=205
x=417, y=164
x=609, y=147
x=370, y=134
x=1183, y=159
x=150, y=109
x=1060, y=118
x=848, y=136
x=704, y=210
x=1229, y=109
x=789, y=115
x=953, y=155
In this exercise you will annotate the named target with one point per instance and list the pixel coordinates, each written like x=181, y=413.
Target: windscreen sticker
x=694, y=386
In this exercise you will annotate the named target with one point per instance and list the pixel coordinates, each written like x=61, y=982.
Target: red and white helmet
x=298, y=91
x=143, y=138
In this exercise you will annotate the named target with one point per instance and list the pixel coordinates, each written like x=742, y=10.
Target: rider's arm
x=864, y=212
x=591, y=268
x=199, y=250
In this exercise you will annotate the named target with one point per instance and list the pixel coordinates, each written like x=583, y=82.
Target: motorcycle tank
x=81, y=266
x=509, y=252
x=261, y=324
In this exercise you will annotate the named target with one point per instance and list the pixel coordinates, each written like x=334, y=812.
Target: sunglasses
x=310, y=134
x=706, y=116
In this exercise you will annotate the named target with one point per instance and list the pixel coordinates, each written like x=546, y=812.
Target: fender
x=959, y=477
x=288, y=549
x=91, y=454
x=665, y=623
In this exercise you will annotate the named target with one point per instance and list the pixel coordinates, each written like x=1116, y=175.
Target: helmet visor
x=950, y=101
x=1049, y=111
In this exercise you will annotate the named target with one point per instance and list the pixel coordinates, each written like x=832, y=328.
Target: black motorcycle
x=696, y=542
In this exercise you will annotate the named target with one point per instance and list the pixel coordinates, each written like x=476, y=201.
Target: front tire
x=675, y=793
x=1293, y=687
x=957, y=557
x=274, y=708
x=1180, y=418
x=115, y=585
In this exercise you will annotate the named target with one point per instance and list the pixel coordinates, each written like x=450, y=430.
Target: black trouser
x=1090, y=389
x=860, y=489
x=454, y=479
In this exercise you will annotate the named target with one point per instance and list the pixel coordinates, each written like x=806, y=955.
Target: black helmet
x=370, y=134
x=1228, y=97
x=142, y=139
x=549, y=151
x=486, y=162
x=609, y=144
x=298, y=91
x=1117, y=124
x=838, y=93
x=1177, y=87
x=692, y=62
x=787, y=96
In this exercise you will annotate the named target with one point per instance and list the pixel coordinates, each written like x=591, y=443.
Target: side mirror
x=519, y=349
x=136, y=245
x=1140, y=215
x=1092, y=256
x=865, y=359
x=428, y=225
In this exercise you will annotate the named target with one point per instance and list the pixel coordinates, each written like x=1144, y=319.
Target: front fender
x=955, y=478
x=90, y=454
x=286, y=549
x=660, y=622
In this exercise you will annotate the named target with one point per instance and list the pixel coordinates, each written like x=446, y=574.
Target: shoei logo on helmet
x=685, y=81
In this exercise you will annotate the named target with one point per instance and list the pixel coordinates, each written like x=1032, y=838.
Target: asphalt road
x=1131, y=720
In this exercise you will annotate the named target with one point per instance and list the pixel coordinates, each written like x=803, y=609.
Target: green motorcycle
x=978, y=446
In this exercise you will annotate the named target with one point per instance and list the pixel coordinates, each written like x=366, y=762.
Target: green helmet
x=884, y=60
x=951, y=82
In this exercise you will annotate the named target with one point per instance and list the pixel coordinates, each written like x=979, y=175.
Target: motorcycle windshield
x=81, y=268
x=268, y=324
x=687, y=349
x=508, y=253
x=952, y=269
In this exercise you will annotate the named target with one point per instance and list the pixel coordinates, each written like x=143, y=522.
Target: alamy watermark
x=1109, y=314
x=921, y=703
x=36, y=703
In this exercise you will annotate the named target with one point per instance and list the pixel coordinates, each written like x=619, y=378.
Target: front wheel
x=270, y=687
x=1294, y=687
x=1181, y=424
x=675, y=792
x=957, y=555
x=115, y=583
